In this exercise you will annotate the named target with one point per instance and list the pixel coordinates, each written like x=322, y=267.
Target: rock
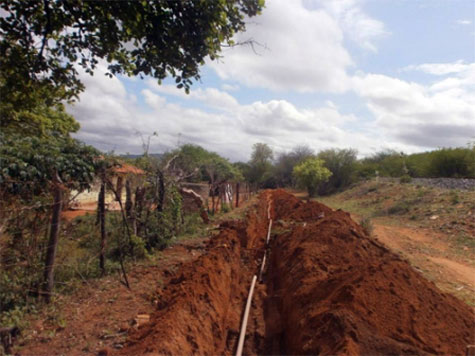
x=434, y=217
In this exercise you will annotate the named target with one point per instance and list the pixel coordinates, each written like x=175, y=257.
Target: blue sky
x=364, y=74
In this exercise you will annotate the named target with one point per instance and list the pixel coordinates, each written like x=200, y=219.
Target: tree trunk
x=237, y=195
x=53, y=242
x=139, y=202
x=101, y=207
x=129, y=208
x=119, y=186
x=213, y=199
x=222, y=198
x=160, y=190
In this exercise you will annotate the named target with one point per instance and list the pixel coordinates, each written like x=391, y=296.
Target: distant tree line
x=267, y=169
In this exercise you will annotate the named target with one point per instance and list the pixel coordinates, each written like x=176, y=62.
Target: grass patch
x=399, y=208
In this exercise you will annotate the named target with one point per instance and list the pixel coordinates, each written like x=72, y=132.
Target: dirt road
x=430, y=252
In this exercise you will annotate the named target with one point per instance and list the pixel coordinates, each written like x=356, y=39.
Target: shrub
x=310, y=173
x=399, y=208
x=342, y=165
x=405, y=179
x=367, y=226
x=225, y=208
x=454, y=198
x=452, y=162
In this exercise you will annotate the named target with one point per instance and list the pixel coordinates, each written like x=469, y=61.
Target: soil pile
x=329, y=289
x=342, y=292
x=200, y=307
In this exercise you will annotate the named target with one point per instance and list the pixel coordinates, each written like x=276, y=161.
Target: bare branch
x=250, y=42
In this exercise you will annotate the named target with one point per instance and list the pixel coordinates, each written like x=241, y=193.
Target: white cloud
x=442, y=114
x=211, y=96
x=407, y=116
x=355, y=23
x=442, y=68
x=111, y=120
x=463, y=22
x=229, y=87
x=303, y=51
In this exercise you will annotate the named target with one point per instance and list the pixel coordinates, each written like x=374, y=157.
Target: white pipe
x=262, y=267
x=244, y=319
x=268, y=231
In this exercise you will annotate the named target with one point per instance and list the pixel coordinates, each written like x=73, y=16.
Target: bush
x=342, y=165
x=454, y=198
x=452, y=162
x=399, y=208
x=405, y=179
x=310, y=173
x=367, y=226
x=225, y=208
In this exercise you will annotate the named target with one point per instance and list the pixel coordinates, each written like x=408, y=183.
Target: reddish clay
x=329, y=290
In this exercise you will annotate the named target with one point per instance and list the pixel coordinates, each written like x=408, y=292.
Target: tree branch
x=44, y=41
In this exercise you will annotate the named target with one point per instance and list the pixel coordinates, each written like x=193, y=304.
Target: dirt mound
x=329, y=289
x=342, y=292
x=194, y=313
x=286, y=206
x=199, y=309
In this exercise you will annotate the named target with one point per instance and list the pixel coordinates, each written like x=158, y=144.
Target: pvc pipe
x=268, y=231
x=262, y=267
x=244, y=319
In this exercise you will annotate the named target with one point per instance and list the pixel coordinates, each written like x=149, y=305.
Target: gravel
x=445, y=183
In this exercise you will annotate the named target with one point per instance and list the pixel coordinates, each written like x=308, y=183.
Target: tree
x=310, y=173
x=260, y=164
x=44, y=42
x=286, y=162
x=342, y=163
x=34, y=166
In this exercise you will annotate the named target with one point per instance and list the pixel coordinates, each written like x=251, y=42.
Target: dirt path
x=430, y=252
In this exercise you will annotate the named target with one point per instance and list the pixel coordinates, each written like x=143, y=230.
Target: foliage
x=243, y=170
x=43, y=42
x=400, y=207
x=260, y=165
x=367, y=226
x=445, y=162
x=164, y=226
x=452, y=162
x=310, y=173
x=219, y=170
x=405, y=179
x=194, y=163
x=40, y=121
x=341, y=162
x=388, y=163
x=30, y=164
x=286, y=162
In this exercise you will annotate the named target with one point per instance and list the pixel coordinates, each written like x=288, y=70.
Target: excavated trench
x=327, y=289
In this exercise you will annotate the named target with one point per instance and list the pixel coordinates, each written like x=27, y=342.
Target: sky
x=364, y=74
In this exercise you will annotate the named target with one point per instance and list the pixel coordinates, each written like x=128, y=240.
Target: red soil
x=330, y=289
